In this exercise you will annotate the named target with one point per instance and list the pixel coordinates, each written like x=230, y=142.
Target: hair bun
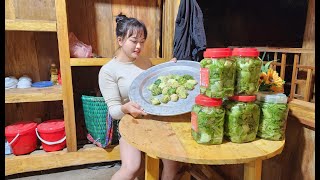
x=121, y=17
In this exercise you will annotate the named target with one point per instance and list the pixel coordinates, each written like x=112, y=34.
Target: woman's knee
x=131, y=169
x=170, y=164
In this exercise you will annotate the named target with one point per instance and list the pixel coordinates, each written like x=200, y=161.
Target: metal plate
x=141, y=95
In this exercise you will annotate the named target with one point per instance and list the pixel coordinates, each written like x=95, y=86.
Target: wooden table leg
x=152, y=168
x=186, y=176
x=252, y=170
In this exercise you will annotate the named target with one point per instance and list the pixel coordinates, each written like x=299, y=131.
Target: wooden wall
x=31, y=53
x=93, y=22
x=30, y=9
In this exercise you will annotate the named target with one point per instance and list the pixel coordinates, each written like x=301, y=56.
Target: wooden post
x=283, y=65
x=186, y=176
x=275, y=58
x=308, y=42
x=66, y=76
x=252, y=170
x=152, y=168
x=308, y=86
x=308, y=38
x=170, y=11
x=294, y=76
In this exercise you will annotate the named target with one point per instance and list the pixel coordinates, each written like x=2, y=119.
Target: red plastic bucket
x=52, y=135
x=22, y=137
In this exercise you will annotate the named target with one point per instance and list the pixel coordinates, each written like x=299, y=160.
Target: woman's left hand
x=173, y=60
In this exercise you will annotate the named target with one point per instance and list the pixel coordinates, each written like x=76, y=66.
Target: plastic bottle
x=248, y=71
x=207, y=120
x=54, y=74
x=242, y=118
x=273, y=115
x=217, y=73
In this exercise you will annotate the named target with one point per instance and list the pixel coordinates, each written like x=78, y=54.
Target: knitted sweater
x=115, y=79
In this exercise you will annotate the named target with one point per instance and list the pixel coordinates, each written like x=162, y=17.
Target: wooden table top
x=170, y=138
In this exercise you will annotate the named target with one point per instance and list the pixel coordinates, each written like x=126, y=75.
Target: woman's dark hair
x=127, y=26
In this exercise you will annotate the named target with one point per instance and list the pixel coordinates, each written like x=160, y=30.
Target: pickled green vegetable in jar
x=217, y=73
x=207, y=120
x=273, y=115
x=242, y=118
x=248, y=69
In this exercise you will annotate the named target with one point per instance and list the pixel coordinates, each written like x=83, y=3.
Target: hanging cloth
x=189, y=37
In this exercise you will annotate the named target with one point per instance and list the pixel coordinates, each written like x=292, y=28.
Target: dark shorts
x=116, y=134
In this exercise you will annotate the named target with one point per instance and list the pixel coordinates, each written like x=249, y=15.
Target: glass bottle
x=54, y=74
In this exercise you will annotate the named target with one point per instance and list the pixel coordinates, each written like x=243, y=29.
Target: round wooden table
x=170, y=138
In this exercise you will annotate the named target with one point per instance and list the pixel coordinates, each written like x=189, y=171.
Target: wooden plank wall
x=31, y=53
x=169, y=15
x=30, y=9
x=93, y=22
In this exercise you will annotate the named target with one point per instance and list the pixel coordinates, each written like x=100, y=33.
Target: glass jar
x=217, y=73
x=242, y=118
x=273, y=115
x=207, y=120
x=248, y=69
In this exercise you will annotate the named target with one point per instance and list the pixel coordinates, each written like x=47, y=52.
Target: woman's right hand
x=133, y=108
x=173, y=60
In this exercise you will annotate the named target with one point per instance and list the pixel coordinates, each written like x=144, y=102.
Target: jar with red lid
x=207, y=120
x=248, y=69
x=242, y=118
x=217, y=73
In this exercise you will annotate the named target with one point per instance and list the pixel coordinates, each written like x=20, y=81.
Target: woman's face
x=133, y=45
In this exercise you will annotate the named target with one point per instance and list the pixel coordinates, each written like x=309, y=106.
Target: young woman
x=115, y=78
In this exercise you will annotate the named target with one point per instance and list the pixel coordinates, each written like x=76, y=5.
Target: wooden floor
x=41, y=160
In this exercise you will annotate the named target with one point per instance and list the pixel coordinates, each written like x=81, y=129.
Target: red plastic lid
x=51, y=126
x=243, y=98
x=206, y=101
x=22, y=127
x=247, y=52
x=217, y=52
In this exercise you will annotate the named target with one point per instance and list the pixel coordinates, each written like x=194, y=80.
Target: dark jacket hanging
x=189, y=37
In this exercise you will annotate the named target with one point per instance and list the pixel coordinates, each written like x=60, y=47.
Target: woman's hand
x=173, y=60
x=133, y=108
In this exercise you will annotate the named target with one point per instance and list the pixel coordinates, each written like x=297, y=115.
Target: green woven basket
x=95, y=113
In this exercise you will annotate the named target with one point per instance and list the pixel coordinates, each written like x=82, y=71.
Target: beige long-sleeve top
x=115, y=78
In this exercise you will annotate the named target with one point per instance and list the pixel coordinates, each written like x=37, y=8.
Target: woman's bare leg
x=130, y=162
x=170, y=169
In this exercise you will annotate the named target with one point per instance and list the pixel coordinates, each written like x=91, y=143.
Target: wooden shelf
x=88, y=61
x=41, y=160
x=102, y=61
x=53, y=93
x=303, y=111
x=30, y=25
